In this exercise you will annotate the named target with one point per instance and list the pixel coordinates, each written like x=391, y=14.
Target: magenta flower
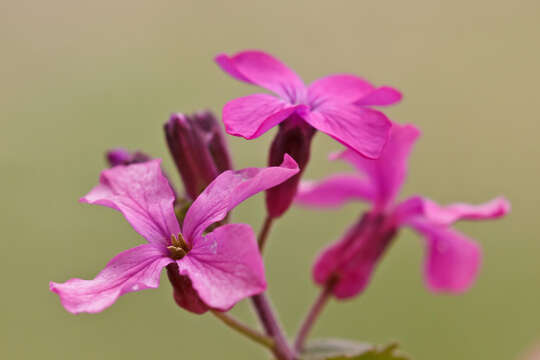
x=452, y=259
x=218, y=269
x=337, y=105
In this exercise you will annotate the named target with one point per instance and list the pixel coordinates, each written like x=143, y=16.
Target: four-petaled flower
x=452, y=259
x=337, y=105
x=218, y=268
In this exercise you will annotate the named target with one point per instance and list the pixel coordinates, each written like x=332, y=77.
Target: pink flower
x=337, y=105
x=217, y=269
x=452, y=259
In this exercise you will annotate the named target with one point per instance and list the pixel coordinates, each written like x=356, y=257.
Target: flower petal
x=132, y=270
x=334, y=191
x=452, y=260
x=225, y=266
x=363, y=130
x=342, y=88
x=262, y=69
x=228, y=190
x=388, y=172
x=449, y=214
x=382, y=96
x=409, y=209
x=251, y=116
x=143, y=195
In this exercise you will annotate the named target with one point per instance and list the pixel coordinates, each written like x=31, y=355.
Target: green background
x=79, y=77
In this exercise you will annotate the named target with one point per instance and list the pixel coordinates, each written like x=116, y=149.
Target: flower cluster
x=213, y=264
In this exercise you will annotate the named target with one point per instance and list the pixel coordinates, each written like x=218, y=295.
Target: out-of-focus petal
x=143, y=195
x=342, y=88
x=388, y=172
x=452, y=259
x=364, y=130
x=132, y=270
x=225, y=266
x=409, y=209
x=382, y=96
x=334, y=191
x=262, y=69
x=253, y=115
x=118, y=156
x=228, y=190
x=449, y=214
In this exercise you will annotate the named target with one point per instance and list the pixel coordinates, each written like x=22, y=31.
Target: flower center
x=178, y=248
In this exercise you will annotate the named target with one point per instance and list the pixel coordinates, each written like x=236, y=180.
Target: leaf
x=339, y=349
x=386, y=353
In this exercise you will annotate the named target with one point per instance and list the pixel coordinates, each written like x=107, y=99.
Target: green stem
x=245, y=330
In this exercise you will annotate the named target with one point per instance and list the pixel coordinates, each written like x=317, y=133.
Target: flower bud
x=293, y=138
x=214, y=137
x=198, y=148
x=120, y=156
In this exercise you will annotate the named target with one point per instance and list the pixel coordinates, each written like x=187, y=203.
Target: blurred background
x=79, y=77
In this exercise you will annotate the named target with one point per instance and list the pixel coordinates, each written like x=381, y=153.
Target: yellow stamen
x=178, y=248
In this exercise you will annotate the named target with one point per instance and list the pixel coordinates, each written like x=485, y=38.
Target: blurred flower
x=532, y=354
x=337, y=105
x=213, y=270
x=198, y=148
x=120, y=156
x=452, y=260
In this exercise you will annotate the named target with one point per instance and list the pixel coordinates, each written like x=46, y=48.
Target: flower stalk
x=271, y=326
x=264, y=310
x=245, y=330
x=265, y=231
x=313, y=314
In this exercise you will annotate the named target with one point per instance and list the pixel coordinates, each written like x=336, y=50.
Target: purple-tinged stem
x=264, y=311
x=312, y=316
x=245, y=330
x=268, y=320
x=265, y=231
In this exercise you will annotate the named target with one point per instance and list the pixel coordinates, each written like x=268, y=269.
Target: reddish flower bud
x=293, y=138
x=198, y=148
x=208, y=126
